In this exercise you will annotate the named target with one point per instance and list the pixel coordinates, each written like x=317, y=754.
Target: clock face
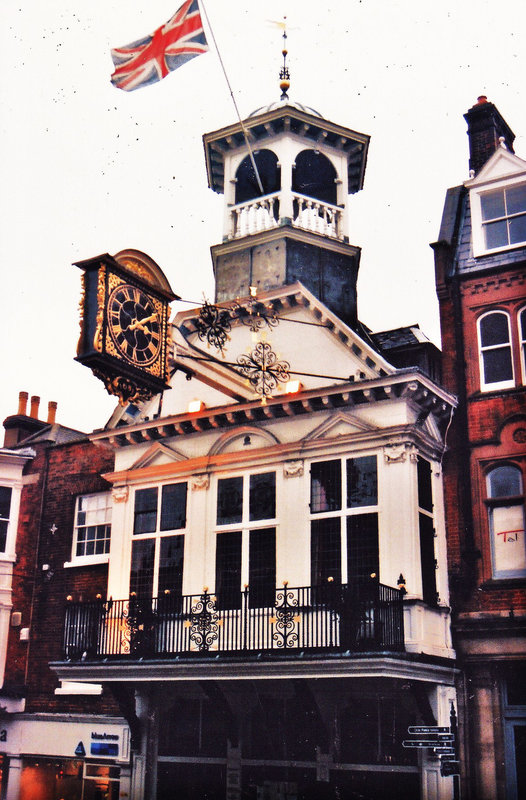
x=134, y=323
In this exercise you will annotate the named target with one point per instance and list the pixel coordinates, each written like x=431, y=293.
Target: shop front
x=54, y=757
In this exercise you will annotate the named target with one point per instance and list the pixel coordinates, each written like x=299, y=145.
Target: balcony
x=264, y=213
x=329, y=618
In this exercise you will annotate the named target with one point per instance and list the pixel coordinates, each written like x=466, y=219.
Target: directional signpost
x=442, y=740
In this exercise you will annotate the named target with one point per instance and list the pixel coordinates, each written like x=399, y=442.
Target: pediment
x=157, y=455
x=502, y=164
x=243, y=438
x=340, y=424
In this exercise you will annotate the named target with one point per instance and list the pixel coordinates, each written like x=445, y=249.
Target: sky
x=89, y=169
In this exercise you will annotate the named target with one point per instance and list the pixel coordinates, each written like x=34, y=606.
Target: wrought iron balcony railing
x=325, y=618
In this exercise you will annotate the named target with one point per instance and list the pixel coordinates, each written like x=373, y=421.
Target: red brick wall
x=54, y=479
x=492, y=420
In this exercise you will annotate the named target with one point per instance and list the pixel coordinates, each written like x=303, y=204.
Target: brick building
x=480, y=261
x=59, y=524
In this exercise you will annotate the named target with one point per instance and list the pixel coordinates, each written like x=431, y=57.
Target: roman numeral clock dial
x=134, y=324
x=124, y=328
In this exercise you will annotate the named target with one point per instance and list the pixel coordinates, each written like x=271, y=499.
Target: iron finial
x=284, y=74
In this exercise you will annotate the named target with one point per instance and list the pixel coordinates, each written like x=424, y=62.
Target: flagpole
x=243, y=128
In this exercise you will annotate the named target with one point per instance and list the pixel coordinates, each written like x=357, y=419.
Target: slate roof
x=455, y=230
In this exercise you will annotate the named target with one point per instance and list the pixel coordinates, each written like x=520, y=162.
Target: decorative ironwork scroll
x=285, y=633
x=263, y=370
x=255, y=316
x=204, y=627
x=213, y=325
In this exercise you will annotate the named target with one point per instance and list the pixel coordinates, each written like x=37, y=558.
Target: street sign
x=444, y=751
x=425, y=729
x=448, y=768
x=419, y=743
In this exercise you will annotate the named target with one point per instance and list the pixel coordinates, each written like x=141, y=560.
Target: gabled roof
x=502, y=164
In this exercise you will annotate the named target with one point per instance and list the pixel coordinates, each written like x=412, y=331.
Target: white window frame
x=95, y=558
x=494, y=503
x=158, y=535
x=347, y=511
x=477, y=223
x=494, y=385
x=522, y=341
x=7, y=519
x=246, y=525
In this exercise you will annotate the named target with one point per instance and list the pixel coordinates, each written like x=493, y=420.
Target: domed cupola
x=286, y=173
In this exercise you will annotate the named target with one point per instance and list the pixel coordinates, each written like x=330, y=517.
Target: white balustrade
x=263, y=213
x=315, y=215
x=259, y=214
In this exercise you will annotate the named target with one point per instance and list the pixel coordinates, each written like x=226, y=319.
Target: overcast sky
x=87, y=168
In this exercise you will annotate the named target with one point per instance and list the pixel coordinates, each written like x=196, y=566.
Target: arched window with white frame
x=495, y=357
x=505, y=503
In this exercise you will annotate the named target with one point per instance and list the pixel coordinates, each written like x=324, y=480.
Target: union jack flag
x=169, y=47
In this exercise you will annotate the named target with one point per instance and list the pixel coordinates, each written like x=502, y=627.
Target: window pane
x=262, y=568
x=171, y=565
x=3, y=535
x=494, y=329
x=504, y=482
x=427, y=560
x=263, y=496
x=229, y=500
x=325, y=486
x=492, y=205
x=517, y=229
x=228, y=569
x=141, y=575
x=325, y=551
x=516, y=684
x=516, y=200
x=523, y=325
x=145, y=511
x=362, y=548
x=496, y=234
x=507, y=524
x=5, y=502
x=425, y=493
x=497, y=365
x=362, y=482
x=173, y=507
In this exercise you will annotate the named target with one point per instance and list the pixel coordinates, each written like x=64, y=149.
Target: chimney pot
x=35, y=402
x=51, y=412
x=482, y=99
x=22, y=403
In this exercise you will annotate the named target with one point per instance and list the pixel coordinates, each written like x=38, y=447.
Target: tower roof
x=286, y=117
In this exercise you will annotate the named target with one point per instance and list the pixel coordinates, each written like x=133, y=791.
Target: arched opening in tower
x=247, y=187
x=314, y=176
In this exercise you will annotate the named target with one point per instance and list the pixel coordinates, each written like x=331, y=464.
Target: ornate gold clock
x=125, y=337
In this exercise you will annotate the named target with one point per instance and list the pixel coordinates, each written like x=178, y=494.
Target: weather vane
x=284, y=74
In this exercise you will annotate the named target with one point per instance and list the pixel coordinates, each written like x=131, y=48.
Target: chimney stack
x=51, y=412
x=22, y=403
x=485, y=128
x=19, y=426
x=35, y=402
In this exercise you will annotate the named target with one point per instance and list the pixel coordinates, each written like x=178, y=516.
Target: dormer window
x=503, y=213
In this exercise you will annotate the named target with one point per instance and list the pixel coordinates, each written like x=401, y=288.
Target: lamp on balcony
x=401, y=584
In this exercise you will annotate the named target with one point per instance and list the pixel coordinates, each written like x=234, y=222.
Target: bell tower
x=286, y=220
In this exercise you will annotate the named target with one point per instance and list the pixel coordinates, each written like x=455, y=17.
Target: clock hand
x=140, y=323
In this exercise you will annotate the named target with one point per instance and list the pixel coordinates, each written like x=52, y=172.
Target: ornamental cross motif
x=213, y=325
x=263, y=370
